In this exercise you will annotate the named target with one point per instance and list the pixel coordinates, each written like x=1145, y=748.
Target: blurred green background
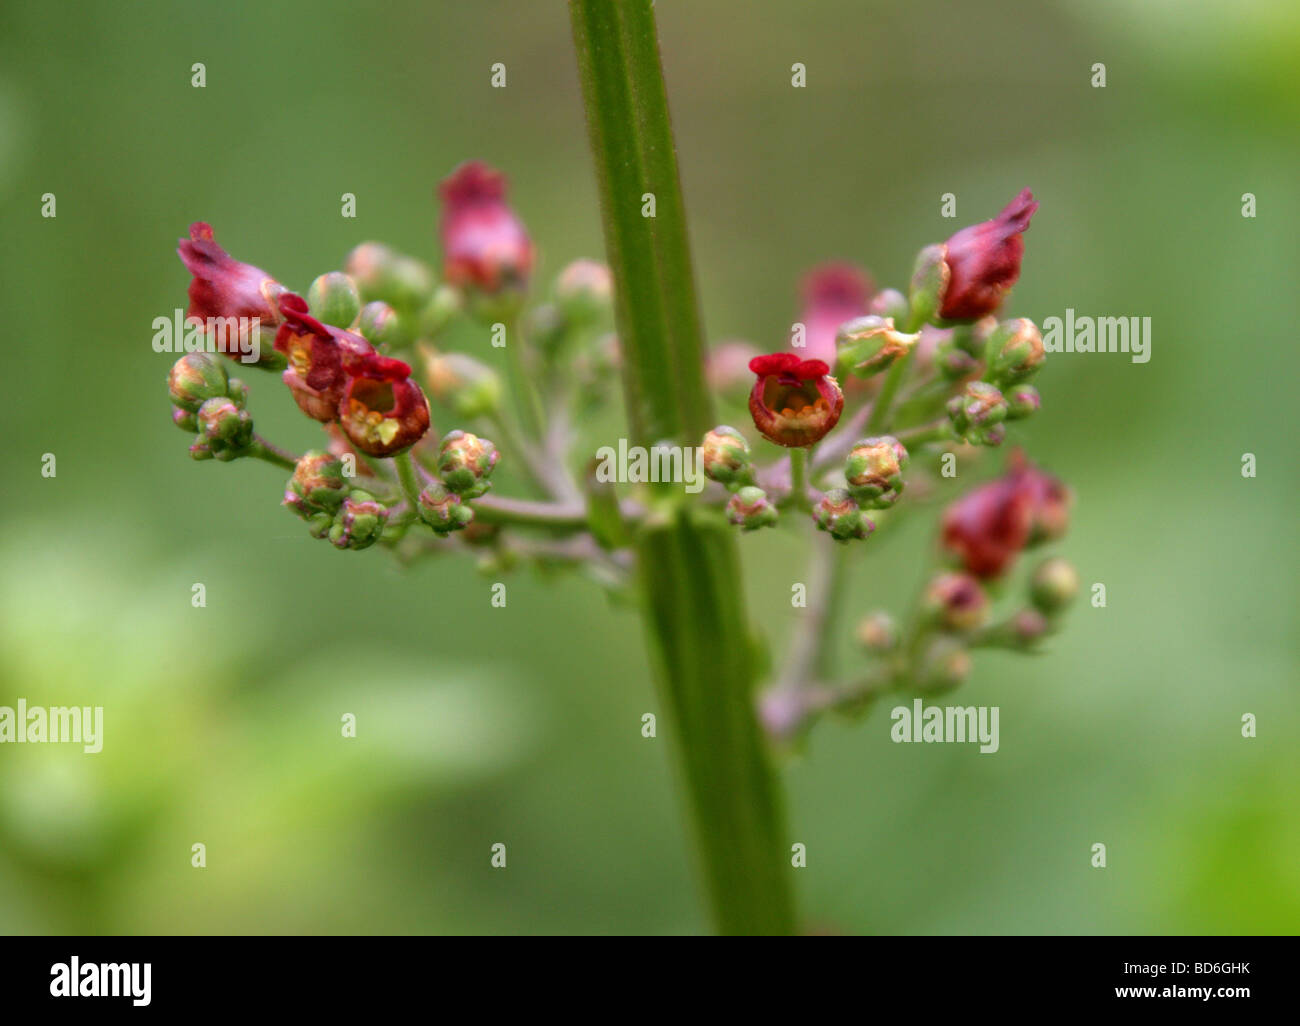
x=521, y=725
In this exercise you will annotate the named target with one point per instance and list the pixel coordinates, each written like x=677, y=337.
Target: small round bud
x=1022, y=401
x=867, y=345
x=749, y=509
x=194, y=378
x=382, y=326
x=317, y=485
x=878, y=633
x=725, y=455
x=977, y=411
x=442, y=509
x=225, y=428
x=953, y=362
x=359, y=522
x=584, y=290
x=185, y=420
x=838, y=514
x=334, y=299
x=442, y=307
x=1027, y=627
x=470, y=388
x=1015, y=350
x=381, y=273
x=874, y=471
x=1054, y=585
x=956, y=601
x=465, y=463
x=944, y=666
x=890, y=303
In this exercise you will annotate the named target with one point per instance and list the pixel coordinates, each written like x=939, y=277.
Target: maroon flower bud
x=794, y=402
x=957, y=601
x=383, y=411
x=983, y=261
x=987, y=528
x=832, y=294
x=225, y=288
x=484, y=244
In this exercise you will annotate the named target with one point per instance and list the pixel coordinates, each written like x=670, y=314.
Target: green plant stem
x=880, y=409
x=408, y=477
x=799, y=478
x=263, y=450
x=689, y=568
x=527, y=405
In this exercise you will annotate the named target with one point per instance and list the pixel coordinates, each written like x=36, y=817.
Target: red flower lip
x=484, y=243
x=794, y=402
x=984, y=261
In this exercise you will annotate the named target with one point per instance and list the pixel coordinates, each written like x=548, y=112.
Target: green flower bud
x=1022, y=401
x=402, y=282
x=944, y=665
x=442, y=307
x=1054, y=585
x=465, y=463
x=194, y=378
x=956, y=601
x=237, y=391
x=867, y=345
x=929, y=283
x=725, y=454
x=359, y=521
x=442, y=509
x=317, y=485
x=874, y=471
x=548, y=328
x=953, y=362
x=838, y=514
x=584, y=291
x=878, y=633
x=1027, y=627
x=224, y=428
x=382, y=326
x=977, y=413
x=470, y=388
x=1015, y=351
x=185, y=420
x=749, y=509
x=334, y=299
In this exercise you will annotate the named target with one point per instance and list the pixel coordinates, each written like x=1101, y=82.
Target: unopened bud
x=584, y=290
x=465, y=463
x=382, y=326
x=317, y=485
x=867, y=345
x=1015, y=351
x=889, y=303
x=1022, y=401
x=929, y=283
x=194, y=378
x=874, y=471
x=442, y=307
x=1054, y=585
x=957, y=601
x=359, y=522
x=334, y=299
x=878, y=633
x=725, y=454
x=224, y=428
x=749, y=509
x=977, y=413
x=945, y=665
x=1027, y=627
x=838, y=514
x=185, y=420
x=442, y=509
x=470, y=388
x=381, y=273
x=953, y=362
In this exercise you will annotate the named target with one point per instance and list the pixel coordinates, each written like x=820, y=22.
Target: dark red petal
x=775, y=363
x=809, y=369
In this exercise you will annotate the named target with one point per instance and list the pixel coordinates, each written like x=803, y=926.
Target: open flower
x=383, y=411
x=484, y=244
x=983, y=261
x=794, y=402
x=987, y=528
x=227, y=291
x=832, y=294
x=321, y=359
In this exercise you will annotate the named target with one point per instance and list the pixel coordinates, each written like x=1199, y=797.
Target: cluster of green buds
x=210, y=405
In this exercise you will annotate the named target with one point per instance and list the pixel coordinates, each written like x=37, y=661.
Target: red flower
x=832, y=294
x=988, y=527
x=984, y=261
x=794, y=402
x=382, y=415
x=222, y=286
x=484, y=244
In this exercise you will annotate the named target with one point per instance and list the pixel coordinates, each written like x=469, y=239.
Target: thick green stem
x=689, y=567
